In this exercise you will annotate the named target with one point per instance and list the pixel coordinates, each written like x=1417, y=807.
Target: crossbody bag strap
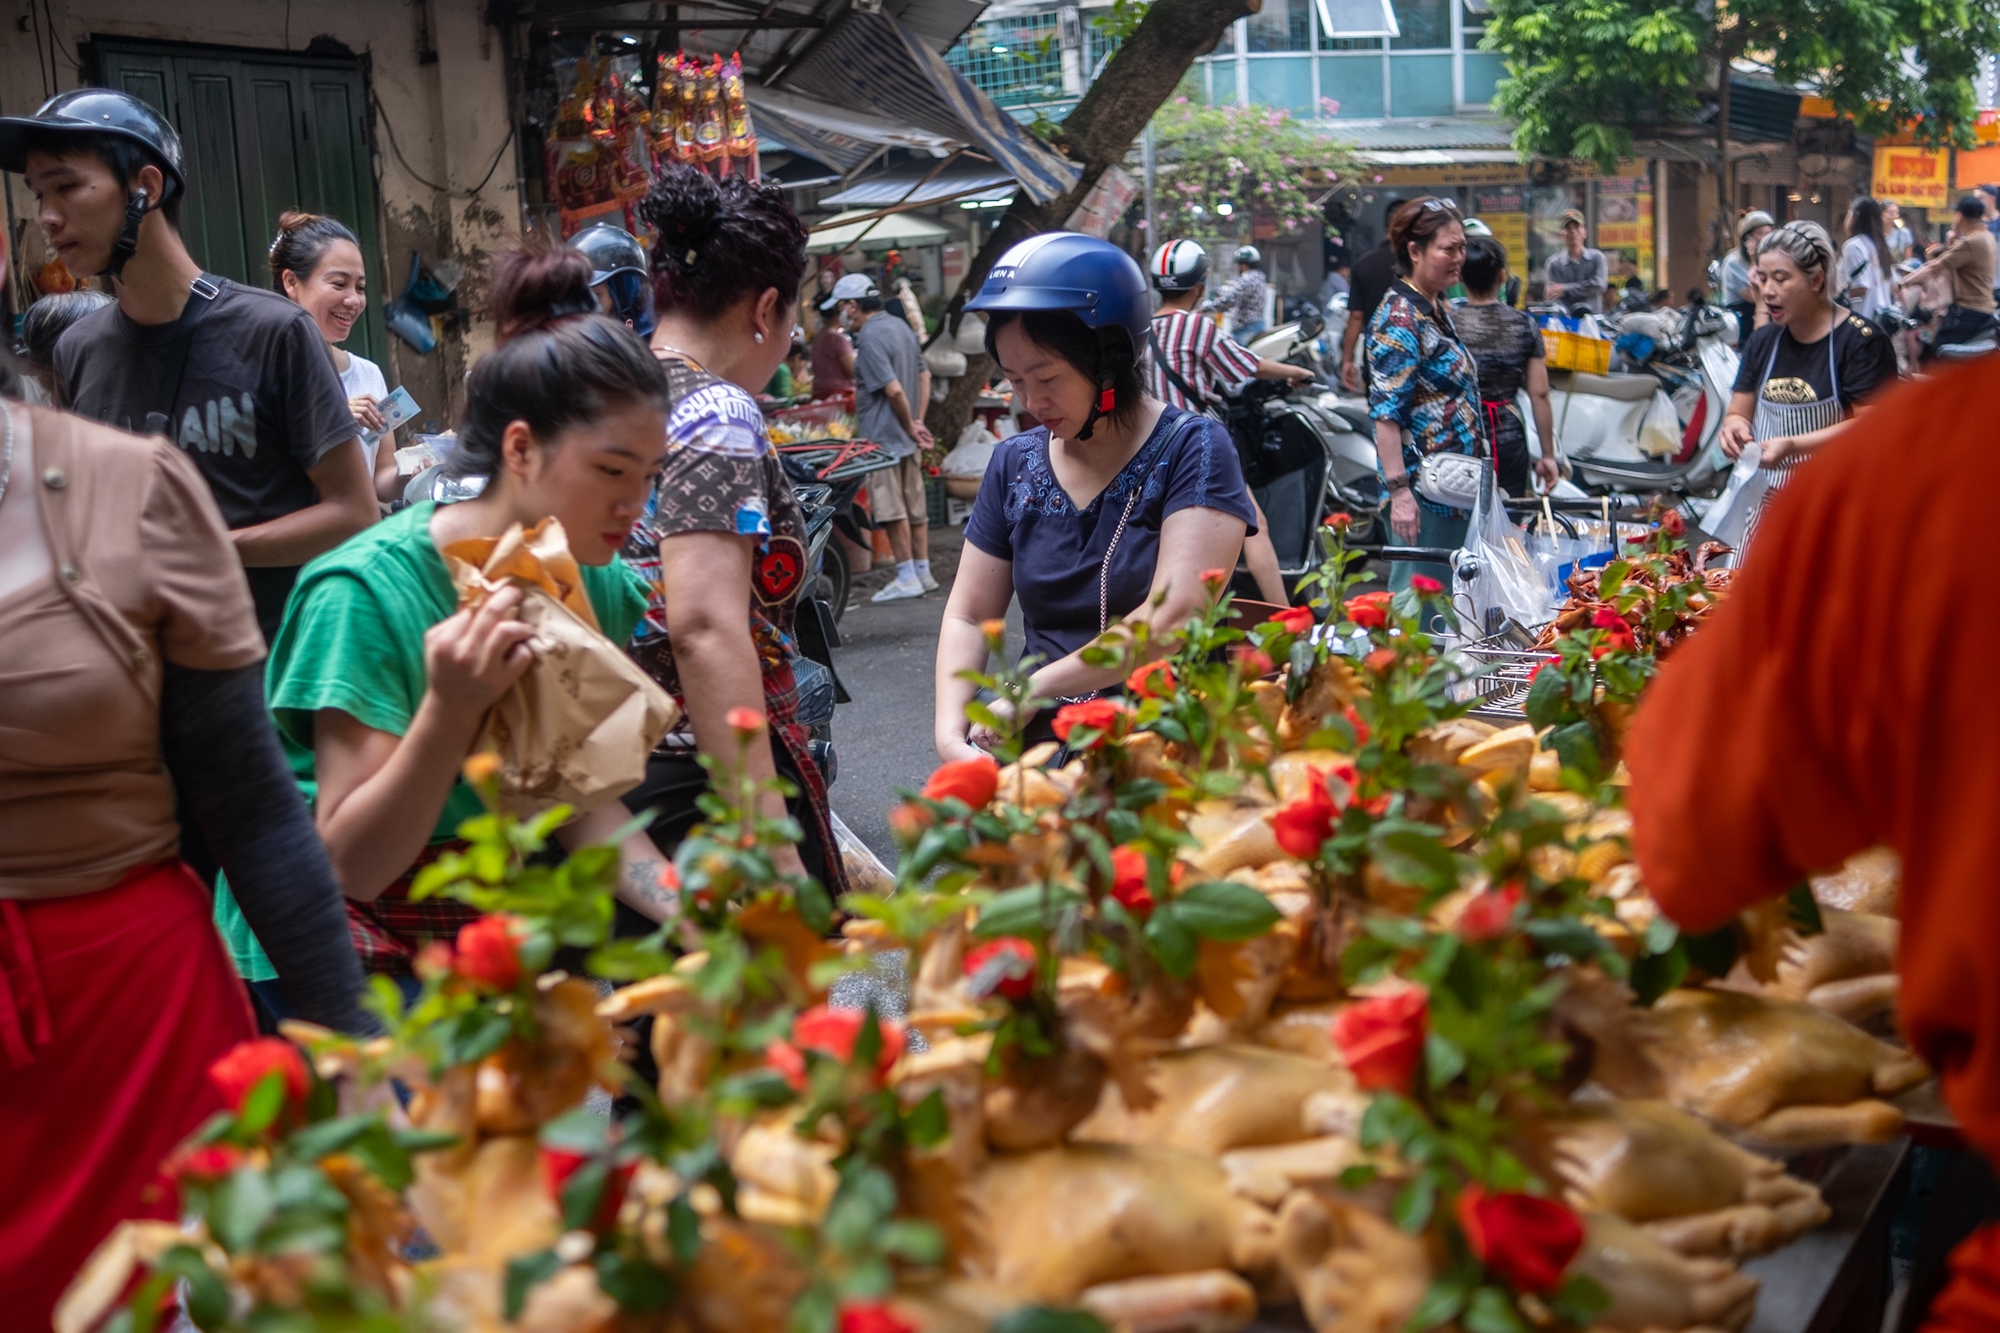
x=201, y=299
x=1138, y=484
x=1196, y=401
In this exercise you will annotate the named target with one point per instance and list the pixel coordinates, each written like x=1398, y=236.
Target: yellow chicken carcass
x=1848, y=968
x=1215, y=1098
x=1653, y=1288
x=1688, y=1187
x=1869, y=881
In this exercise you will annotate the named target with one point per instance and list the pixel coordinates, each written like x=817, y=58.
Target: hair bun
x=293, y=219
x=537, y=283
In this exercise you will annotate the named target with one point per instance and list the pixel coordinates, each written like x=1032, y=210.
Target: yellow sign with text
x=1913, y=177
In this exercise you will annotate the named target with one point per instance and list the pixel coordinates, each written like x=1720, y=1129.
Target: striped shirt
x=1207, y=360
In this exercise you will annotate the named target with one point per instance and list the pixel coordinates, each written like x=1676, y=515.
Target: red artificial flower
x=1252, y=663
x=1293, y=619
x=1214, y=579
x=1354, y=720
x=745, y=722
x=1490, y=913
x=1154, y=680
x=1128, y=881
x=1526, y=1240
x=1340, y=522
x=872, y=1317
x=1380, y=661
x=970, y=780
x=1539, y=667
x=433, y=961
x=249, y=1063
x=1099, y=715
x=489, y=953
x=1617, y=634
x=1370, y=610
x=1382, y=1038
x=205, y=1164
x=1425, y=586
x=1672, y=523
x=559, y=1164
x=832, y=1032
x=1016, y=979
x=1302, y=827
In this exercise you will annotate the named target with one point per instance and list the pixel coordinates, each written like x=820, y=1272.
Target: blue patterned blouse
x=1422, y=378
x=1058, y=552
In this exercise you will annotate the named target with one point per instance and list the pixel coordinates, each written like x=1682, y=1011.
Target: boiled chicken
x=1653, y=1288
x=1215, y=1098
x=1869, y=881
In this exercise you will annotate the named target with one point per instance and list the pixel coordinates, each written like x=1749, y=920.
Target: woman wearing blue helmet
x=1114, y=500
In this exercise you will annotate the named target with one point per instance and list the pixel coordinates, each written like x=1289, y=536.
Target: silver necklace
x=7, y=451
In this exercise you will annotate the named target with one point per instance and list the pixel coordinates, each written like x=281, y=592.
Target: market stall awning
x=906, y=184
x=844, y=229
x=870, y=62
x=838, y=134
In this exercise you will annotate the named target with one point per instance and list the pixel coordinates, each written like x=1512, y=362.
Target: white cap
x=851, y=288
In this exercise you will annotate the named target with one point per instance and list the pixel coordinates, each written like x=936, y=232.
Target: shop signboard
x=1625, y=227
x=1505, y=212
x=1913, y=177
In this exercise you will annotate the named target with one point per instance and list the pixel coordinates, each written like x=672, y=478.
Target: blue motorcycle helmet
x=1066, y=272
x=619, y=271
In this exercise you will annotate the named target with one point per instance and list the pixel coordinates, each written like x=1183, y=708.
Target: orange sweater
x=1848, y=694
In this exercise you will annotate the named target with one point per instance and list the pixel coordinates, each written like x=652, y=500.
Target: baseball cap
x=1572, y=215
x=850, y=288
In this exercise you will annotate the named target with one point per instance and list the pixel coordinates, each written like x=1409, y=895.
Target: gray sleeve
x=1601, y=279
x=873, y=371
x=222, y=753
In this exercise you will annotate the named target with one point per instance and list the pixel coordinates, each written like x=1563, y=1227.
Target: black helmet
x=610, y=250
x=95, y=111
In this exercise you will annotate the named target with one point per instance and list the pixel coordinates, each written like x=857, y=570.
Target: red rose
x=1490, y=913
x=204, y=1165
x=1302, y=827
x=832, y=1032
x=1128, y=881
x=1370, y=610
x=1382, y=1037
x=559, y=1164
x=1293, y=619
x=1539, y=667
x=1526, y=1240
x=1015, y=973
x=489, y=955
x=249, y=1063
x=872, y=1317
x=1672, y=523
x=1380, y=661
x=1354, y=721
x=1425, y=586
x=1617, y=634
x=1340, y=522
x=1099, y=715
x=1252, y=663
x=1213, y=579
x=1154, y=680
x=745, y=722
x=970, y=780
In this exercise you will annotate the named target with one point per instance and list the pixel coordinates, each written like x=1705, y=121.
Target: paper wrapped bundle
x=577, y=727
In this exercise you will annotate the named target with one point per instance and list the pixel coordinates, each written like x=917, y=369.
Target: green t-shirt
x=353, y=639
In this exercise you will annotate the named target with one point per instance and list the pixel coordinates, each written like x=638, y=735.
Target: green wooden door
x=261, y=137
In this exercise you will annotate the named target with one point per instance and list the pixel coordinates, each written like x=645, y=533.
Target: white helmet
x=1249, y=254
x=1178, y=266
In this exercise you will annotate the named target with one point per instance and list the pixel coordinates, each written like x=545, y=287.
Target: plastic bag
x=1496, y=570
x=1728, y=516
x=972, y=453
x=1660, y=432
x=577, y=727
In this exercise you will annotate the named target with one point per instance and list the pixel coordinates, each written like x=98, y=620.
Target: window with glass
x=1282, y=25
x=1425, y=25
x=1472, y=23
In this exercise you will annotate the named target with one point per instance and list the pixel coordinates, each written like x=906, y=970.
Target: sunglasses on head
x=1438, y=206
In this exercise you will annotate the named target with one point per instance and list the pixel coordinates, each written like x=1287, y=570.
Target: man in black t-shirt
x=253, y=398
x=1374, y=273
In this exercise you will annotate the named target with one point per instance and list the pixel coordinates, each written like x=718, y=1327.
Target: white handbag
x=1450, y=479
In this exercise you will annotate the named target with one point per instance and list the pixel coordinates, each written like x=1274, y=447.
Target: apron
x=1779, y=419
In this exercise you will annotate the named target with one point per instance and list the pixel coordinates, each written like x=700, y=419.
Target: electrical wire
x=55, y=42
x=389, y=132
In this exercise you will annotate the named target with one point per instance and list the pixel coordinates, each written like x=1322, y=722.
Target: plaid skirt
x=388, y=932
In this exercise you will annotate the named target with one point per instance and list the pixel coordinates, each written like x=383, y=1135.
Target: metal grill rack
x=1500, y=681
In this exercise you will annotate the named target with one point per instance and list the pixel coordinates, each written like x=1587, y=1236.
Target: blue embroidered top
x=1024, y=516
x=1422, y=378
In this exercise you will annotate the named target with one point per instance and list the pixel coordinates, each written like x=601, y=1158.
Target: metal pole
x=1148, y=149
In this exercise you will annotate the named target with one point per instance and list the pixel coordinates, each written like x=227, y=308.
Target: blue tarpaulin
x=870, y=63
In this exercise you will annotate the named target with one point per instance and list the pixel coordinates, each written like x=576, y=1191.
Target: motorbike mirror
x=1311, y=326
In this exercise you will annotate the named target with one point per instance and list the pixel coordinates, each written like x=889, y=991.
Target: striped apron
x=1774, y=420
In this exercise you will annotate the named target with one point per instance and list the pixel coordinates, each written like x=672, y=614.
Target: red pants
x=112, y=1007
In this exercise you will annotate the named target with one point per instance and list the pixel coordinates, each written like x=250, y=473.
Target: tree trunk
x=1097, y=134
x=1725, y=192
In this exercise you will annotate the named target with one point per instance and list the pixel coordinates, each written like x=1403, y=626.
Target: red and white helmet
x=1178, y=266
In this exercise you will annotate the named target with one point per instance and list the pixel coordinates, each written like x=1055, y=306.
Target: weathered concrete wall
x=437, y=74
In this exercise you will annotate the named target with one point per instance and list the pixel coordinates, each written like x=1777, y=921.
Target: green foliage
x=1255, y=159
x=1581, y=74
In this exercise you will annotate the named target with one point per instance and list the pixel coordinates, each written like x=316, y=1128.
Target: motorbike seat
x=1976, y=347
x=1632, y=468
x=1624, y=388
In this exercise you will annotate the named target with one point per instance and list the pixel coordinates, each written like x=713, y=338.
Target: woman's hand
x=1736, y=432
x=1777, y=449
x=367, y=412
x=1548, y=471
x=475, y=656
x=981, y=739
x=1403, y=517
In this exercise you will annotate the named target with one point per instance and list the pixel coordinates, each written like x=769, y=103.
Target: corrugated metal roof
x=894, y=186
x=1404, y=134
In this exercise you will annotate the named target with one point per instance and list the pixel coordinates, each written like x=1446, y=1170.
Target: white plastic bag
x=1504, y=580
x=972, y=453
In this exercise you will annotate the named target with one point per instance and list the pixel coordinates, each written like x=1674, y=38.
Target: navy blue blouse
x=1023, y=515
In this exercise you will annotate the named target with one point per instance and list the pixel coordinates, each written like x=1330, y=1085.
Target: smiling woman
x=381, y=683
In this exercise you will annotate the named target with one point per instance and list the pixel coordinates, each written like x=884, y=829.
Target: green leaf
x=1409, y=856
x=240, y=1206
x=911, y=1241
x=261, y=1105
x=1715, y=952
x=1579, y=1301
x=207, y=1297
x=1440, y=1305
x=1654, y=974
x=582, y=1192
x=1443, y=1060
x=1547, y=697
x=1491, y=1310
x=1173, y=943
x=928, y=1124
x=1415, y=1203
x=1359, y=1176
x=815, y=907
x=1661, y=935
x=1576, y=746
x=636, y=1285
x=330, y=1136
x=1803, y=909
x=683, y=1230
x=1029, y=911
x=1224, y=910
x=1041, y=1319
x=524, y=1273
x=1566, y=936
